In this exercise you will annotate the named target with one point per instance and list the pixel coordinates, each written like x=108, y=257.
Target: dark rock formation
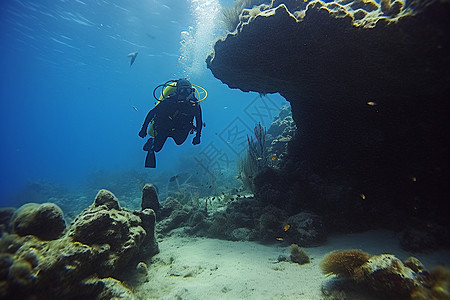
x=306, y=230
x=368, y=85
x=150, y=198
x=45, y=221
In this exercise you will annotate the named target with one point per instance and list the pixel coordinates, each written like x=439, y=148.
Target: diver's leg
x=149, y=144
x=150, y=159
x=180, y=136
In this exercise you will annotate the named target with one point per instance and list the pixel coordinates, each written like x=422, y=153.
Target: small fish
x=414, y=178
x=134, y=107
x=223, y=193
x=133, y=57
x=286, y=227
x=274, y=157
x=362, y=196
x=225, y=107
x=280, y=239
x=371, y=103
x=259, y=158
x=236, y=190
x=173, y=178
x=213, y=198
x=239, y=196
x=232, y=199
x=209, y=186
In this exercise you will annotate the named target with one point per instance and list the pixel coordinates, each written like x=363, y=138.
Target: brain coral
x=46, y=221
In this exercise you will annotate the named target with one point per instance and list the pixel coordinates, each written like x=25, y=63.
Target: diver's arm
x=148, y=119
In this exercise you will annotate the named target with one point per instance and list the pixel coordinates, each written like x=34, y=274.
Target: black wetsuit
x=173, y=118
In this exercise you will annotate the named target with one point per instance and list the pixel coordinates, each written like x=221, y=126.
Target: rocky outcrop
x=368, y=86
x=102, y=245
x=150, y=198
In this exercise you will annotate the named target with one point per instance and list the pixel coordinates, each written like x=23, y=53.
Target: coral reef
x=387, y=275
x=368, y=85
x=280, y=133
x=243, y=219
x=45, y=221
x=100, y=246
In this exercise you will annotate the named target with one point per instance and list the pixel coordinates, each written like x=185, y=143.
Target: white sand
x=201, y=268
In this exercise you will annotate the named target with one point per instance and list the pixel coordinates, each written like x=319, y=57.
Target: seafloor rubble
x=368, y=84
x=42, y=259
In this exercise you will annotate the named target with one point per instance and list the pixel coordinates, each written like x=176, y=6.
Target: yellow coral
x=345, y=263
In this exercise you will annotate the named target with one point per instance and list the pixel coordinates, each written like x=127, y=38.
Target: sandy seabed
x=203, y=268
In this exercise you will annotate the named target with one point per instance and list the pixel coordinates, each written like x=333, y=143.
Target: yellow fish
x=286, y=227
x=371, y=103
x=363, y=196
x=279, y=238
x=274, y=157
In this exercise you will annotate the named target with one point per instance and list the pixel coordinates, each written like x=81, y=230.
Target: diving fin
x=150, y=160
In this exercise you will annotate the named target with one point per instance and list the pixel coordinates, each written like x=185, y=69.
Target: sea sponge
x=298, y=255
x=345, y=263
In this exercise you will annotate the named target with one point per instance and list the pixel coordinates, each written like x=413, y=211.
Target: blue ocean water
x=72, y=106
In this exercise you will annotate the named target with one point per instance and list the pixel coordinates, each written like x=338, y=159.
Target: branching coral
x=255, y=159
x=345, y=263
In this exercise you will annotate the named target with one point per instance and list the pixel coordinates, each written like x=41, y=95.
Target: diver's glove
x=143, y=132
x=196, y=140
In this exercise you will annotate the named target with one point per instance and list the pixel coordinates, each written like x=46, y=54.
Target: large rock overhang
x=368, y=86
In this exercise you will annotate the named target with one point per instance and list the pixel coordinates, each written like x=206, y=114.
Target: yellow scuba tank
x=168, y=90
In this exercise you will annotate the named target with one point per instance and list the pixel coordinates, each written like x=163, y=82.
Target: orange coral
x=345, y=263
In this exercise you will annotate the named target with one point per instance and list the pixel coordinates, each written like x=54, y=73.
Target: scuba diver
x=172, y=117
